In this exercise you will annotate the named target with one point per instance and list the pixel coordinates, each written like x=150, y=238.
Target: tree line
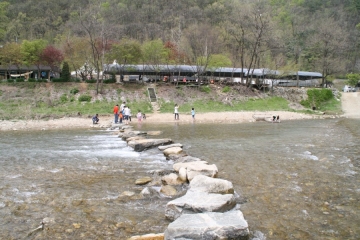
x=309, y=35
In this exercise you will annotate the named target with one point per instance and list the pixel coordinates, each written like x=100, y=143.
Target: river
x=296, y=179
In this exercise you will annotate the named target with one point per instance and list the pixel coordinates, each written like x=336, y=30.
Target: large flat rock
x=143, y=144
x=172, y=150
x=202, y=183
x=209, y=226
x=162, y=148
x=196, y=168
x=196, y=202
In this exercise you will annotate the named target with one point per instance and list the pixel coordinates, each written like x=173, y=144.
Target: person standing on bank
x=116, y=113
x=176, y=112
x=126, y=115
x=193, y=113
x=122, y=106
x=129, y=113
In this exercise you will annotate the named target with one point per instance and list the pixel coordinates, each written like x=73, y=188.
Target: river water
x=296, y=180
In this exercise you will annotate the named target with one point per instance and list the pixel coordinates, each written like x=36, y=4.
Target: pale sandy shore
x=106, y=121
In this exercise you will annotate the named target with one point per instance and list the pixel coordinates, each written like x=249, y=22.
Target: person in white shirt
x=176, y=112
x=129, y=113
x=126, y=114
x=122, y=107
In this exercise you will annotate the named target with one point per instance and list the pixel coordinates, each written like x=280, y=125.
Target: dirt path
x=350, y=103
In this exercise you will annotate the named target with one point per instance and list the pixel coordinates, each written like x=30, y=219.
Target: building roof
x=25, y=68
x=193, y=69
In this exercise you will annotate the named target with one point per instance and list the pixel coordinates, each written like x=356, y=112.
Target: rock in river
x=211, y=226
x=143, y=144
x=143, y=181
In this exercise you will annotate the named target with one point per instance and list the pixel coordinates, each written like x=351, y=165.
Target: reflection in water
x=297, y=179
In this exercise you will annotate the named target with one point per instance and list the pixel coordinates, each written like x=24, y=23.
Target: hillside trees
x=202, y=42
x=93, y=22
x=327, y=47
x=291, y=22
x=3, y=19
x=248, y=27
x=17, y=28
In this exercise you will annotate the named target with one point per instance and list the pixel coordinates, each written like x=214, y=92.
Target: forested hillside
x=309, y=35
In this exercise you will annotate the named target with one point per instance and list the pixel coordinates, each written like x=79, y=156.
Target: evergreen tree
x=65, y=72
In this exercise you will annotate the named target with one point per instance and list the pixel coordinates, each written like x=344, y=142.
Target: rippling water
x=297, y=179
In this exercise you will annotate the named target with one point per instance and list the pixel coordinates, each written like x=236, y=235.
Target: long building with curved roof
x=193, y=73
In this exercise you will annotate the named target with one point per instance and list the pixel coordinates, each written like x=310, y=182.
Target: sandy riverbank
x=105, y=121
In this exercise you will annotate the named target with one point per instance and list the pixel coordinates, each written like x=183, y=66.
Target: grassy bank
x=29, y=100
x=267, y=104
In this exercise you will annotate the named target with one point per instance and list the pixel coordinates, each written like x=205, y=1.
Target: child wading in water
x=193, y=113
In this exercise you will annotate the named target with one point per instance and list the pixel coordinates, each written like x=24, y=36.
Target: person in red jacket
x=116, y=113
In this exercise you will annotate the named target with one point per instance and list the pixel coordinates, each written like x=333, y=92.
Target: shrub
x=31, y=80
x=91, y=81
x=112, y=80
x=317, y=97
x=226, y=89
x=85, y=98
x=74, y=91
x=20, y=80
x=63, y=98
x=353, y=78
x=205, y=89
x=58, y=80
x=9, y=80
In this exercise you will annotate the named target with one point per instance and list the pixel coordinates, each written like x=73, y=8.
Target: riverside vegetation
x=29, y=100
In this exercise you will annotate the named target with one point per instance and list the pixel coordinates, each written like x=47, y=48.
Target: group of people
x=124, y=113
x=176, y=112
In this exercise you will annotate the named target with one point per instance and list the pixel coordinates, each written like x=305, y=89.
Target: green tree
x=155, y=54
x=65, y=72
x=78, y=54
x=219, y=60
x=10, y=54
x=126, y=52
x=31, y=51
x=353, y=78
